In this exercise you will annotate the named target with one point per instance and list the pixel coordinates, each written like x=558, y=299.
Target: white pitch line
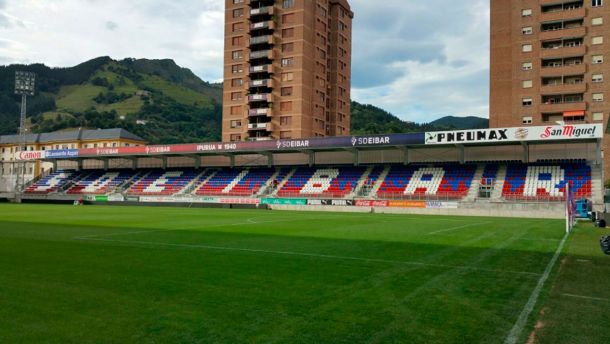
x=587, y=297
x=312, y=255
x=515, y=332
x=459, y=227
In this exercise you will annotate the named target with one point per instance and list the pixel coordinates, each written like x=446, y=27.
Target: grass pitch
x=162, y=275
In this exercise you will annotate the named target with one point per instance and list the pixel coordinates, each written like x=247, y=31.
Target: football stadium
x=440, y=237
x=295, y=227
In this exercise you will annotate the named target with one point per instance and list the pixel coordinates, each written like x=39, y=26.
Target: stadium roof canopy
x=521, y=136
x=72, y=135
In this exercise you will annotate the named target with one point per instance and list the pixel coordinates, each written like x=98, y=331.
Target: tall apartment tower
x=550, y=62
x=287, y=69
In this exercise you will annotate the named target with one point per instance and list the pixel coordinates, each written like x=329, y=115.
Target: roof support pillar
x=405, y=155
x=269, y=159
x=134, y=163
x=526, y=152
x=232, y=158
x=312, y=158
x=197, y=161
x=461, y=153
x=598, y=152
x=79, y=164
x=356, y=157
x=164, y=162
x=106, y=164
x=54, y=165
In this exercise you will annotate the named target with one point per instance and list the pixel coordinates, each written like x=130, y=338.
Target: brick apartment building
x=287, y=69
x=550, y=62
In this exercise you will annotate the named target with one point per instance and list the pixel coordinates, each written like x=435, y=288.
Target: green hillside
x=156, y=99
x=171, y=104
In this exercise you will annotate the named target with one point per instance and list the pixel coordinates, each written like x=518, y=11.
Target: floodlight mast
x=25, y=83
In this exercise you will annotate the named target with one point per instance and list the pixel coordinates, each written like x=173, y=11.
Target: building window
x=237, y=69
x=527, y=66
x=285, y=120
x=288, y=4
x=598, y=97
x=285, y=135
x=235, y=137
x=237, y=27
x=597, y=3
x=526, y=48
x=527, y=120
x=597, y=40
x=526, y=12
x=237, y=41
x=597, y=21
x=598, y=116
x=288, y=47
x=527, y=84
x=527, y=101
x=238, y=55
x=597, y=77
x=286, y=91
x=237, y=82
x=235, y=124
x=287, y=76
x=238, y=2
x=235, y=110
x=597, y=59
x=236, y=96
x=288, y=33
x=238, y=12
x=287, y=62
x=285, y=106
x=527, y=30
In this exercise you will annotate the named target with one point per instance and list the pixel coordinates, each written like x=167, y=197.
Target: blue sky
x=417, y=59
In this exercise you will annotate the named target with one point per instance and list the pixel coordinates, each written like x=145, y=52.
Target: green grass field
x=163, y=275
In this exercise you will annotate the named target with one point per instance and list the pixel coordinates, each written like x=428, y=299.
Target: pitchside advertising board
x=549, y=133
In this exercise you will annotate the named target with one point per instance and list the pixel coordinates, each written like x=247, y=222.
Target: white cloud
x=419, y=62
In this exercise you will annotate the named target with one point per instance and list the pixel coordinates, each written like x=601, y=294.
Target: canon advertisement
x=548, y=133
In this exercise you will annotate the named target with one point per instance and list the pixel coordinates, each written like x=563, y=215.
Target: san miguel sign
x=548, y=133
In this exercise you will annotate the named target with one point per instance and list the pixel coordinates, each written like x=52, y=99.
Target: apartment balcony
x=563, y=33
x=268, y=39
x=264, y=97
x=260, y=126
x=580, y=50
x=261, y=138
x=265, y=25
x=262, y=69
x=564, y=88
x=563, y=15
x=261, y=83
x=576, y=69
x=268, y=54
x=269, y=10
x=260, y=112
x=562, y=107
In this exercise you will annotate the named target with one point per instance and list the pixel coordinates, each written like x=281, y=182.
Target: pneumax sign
x=548, y=133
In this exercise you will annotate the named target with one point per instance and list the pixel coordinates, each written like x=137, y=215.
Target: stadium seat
x=336, y=182
x=163, y=183
x=547, y=181
x=450, y=181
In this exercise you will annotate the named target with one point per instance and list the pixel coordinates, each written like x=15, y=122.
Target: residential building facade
x=287, y=69
x=550, y=63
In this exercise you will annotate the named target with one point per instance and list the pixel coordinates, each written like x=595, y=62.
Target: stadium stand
x=451, y=181
x=163, y=183
x=100, y=182
x=54, y=182
x=322, y=181
x=545, y=180
x=542, y=181
x=236, y=182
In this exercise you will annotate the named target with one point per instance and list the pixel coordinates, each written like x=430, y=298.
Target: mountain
x=461, y=123
x=155, y=99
